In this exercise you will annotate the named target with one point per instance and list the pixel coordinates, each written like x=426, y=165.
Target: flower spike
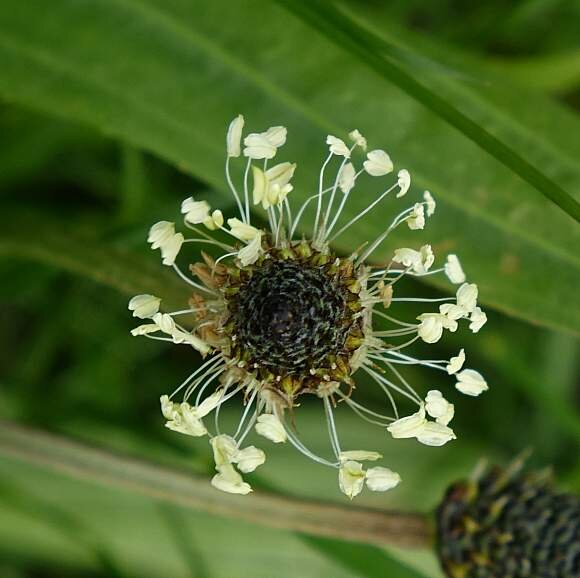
x=276, y=316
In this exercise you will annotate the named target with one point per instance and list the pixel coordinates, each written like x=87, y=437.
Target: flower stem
x=99, y=466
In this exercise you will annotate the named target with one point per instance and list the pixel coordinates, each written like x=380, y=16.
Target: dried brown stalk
x=82, y=462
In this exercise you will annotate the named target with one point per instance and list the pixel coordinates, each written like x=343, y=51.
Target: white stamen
x=245, y=414
x=209, y=362
x=246, y=191
x=342, y=204
x=319, y=204
x=234, y=190
x=331, y=428
x=345, y=160
x=189, y=281
x=362, y=213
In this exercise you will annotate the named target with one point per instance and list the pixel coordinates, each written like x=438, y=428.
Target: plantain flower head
x=277, y=314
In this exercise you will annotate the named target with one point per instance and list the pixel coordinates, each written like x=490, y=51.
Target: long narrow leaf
x=369, y=49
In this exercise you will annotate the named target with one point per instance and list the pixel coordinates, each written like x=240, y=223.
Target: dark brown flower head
x=293, y=317
x=508, y=524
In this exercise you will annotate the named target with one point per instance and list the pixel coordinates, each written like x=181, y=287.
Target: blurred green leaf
x=541, y=388
x=79, y=250
x=168, y=76
x=560, y=364
x=134, y=185
x=556, y=73
x=34, y=147
x=63, y=521
x=371, y=51
x=365, y=561
x=177, y=525
x=145, y=548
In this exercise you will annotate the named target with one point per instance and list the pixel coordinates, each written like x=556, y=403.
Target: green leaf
x=134, y=533
x=64, y=521
x=365, y=561
x=134, y=186
x=34, y=144
x=554, y=405
x=77, y=250
x=168, y=76
x=371, y=49
x=556, y=73
x=177, y=525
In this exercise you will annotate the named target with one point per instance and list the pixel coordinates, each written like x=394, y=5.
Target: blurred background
x=113, y=111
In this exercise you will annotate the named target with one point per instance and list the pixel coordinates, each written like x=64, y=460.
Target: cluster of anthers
x=277, y=317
